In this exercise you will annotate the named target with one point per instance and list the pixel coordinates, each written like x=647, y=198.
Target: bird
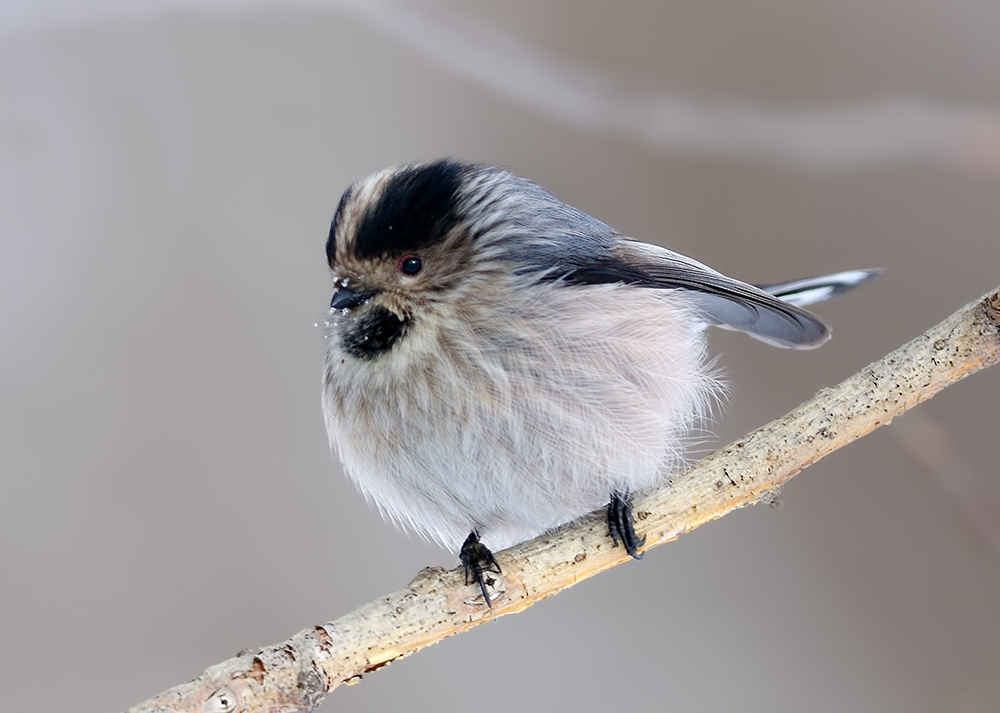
x=499, y=363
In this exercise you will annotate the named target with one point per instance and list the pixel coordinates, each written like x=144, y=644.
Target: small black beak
x=344, y=298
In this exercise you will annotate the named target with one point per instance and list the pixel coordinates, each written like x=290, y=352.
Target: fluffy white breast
x=514, y=418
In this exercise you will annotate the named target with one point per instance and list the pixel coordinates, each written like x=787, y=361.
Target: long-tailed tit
x=500, y=363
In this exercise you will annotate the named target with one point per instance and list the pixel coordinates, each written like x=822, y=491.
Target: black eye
x=410, y=264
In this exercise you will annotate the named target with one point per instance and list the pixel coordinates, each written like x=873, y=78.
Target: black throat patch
x=373, y=334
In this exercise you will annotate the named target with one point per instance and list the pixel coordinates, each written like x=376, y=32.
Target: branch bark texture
x=297, y=674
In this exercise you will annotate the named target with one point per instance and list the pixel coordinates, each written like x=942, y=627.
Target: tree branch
x=889, y=130
x=297, y=674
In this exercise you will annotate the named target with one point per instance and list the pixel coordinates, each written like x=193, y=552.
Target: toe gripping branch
x=477, y=560
x=622, y=526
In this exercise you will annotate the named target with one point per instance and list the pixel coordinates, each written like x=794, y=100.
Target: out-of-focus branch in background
x=930, y=445
x=883, y=131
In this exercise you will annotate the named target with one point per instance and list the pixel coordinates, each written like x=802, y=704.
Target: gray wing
x=557, y=242
x=723, y=301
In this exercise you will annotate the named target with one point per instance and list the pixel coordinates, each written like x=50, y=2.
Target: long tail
x=816, y=289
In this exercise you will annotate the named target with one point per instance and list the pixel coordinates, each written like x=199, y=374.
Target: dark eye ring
x=410, y=265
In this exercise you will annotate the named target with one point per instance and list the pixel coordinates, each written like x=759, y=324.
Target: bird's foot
x=622, y=526
x=477, y=560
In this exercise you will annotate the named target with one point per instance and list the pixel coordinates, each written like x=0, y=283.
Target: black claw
x=621, y=525
x=477, y=559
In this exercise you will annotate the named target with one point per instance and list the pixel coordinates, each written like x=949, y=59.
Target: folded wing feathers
x=726, y=302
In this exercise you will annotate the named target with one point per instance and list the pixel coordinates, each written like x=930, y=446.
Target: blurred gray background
x=167, y=177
